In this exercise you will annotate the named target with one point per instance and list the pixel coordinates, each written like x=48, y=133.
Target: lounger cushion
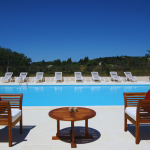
x=15, y=113
x=147, y=97
x=131, y=111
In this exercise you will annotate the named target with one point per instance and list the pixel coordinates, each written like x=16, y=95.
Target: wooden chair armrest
x=5, y=112
x=143, y=111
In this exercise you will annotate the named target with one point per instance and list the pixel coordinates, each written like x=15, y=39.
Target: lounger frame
x=129, y=76
x=78, y=76
x=115, y=76
x=7, y=77
x=22, y=76
x=58, y=76
x=98, y=78
x=39, y=76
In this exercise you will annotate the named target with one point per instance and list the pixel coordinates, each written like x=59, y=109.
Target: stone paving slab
x=107, y=127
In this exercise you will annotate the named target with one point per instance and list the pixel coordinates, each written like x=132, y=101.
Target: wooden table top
x=64, y=114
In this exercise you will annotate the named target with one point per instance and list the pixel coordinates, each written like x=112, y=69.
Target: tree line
x=118, y=60
x=10, y=58
x=16, y=62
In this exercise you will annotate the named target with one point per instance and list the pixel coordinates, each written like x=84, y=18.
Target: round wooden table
x=64, y=115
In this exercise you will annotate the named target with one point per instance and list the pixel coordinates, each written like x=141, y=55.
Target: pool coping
x=81, y=83
x=54, y=107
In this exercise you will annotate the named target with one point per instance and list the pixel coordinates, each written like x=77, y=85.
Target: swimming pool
x=73, y=95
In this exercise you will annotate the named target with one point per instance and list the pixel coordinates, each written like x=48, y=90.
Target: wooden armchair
x=136, y=110
x=11, y=112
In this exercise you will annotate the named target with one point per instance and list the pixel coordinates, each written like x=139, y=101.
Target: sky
x=60, y=29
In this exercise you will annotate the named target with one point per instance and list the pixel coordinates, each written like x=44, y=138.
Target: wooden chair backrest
x=132, y=99
x=15, y=100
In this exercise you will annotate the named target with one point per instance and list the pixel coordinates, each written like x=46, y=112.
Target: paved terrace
x=107, y=127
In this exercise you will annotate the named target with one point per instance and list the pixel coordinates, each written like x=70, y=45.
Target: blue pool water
x=71, y=95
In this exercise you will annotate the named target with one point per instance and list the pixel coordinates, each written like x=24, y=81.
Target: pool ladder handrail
x=27, y=81
x=20, y=81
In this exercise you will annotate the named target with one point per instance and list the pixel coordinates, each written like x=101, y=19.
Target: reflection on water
x=38, y=89
x=58, y=88
x=129, y=88
x=14, y=89
x=78, y=89
x=8, y=89
x=97, y=88
x=115, y=88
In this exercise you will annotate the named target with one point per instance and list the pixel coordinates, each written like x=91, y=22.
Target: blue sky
x=60, y=29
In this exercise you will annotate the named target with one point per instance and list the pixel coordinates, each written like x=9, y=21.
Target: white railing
x=20, y=82
x=27, y=81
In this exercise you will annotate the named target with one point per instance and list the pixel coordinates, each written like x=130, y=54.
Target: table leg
x=86, y=128
x=58, y=131
x=58, y=128
x=73, y=144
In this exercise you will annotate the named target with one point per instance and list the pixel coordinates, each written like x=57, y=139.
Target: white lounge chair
x=78, y=76
x=7, y=77
x=39, y=76
x=22, y=77
x=115, y=76
x=129, y=76
x=96, y=76
x=58, y=76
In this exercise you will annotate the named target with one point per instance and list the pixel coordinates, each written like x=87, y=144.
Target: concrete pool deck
x=107, y=128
